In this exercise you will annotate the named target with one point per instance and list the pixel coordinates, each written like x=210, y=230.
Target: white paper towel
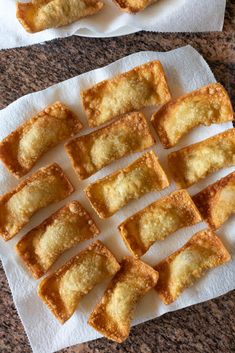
x=186, y=70
x=164, y=16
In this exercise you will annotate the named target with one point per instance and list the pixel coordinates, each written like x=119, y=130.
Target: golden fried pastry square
x=113, y=315
x=140, y=87
x=44, y=244
x=195, y=162
x=92, y=152
x=217, y=202
x=205, y=106
x=23, y=147
x=46, y=186
x=110, y=194
x=63, y=290
x=134, y=6
x=181, y=269
x=158, y=220
x=37, y=15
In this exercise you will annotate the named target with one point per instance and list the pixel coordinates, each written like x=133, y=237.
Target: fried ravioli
x=110, y=194
x=205, y=106
x=39, y=15
x=134, y=6
x=158, y=220
x=113, y=315
x=23, y=147
x=46, y=186
x=92, y=152
x=63, y=290
x=217, y=202
x=180, y=270
x=197, y=161
x=44, y=244
x=140, y=87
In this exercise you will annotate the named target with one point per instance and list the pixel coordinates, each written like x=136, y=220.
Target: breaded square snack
x=23, y=147
x=181, y=269
x=140, y=87
x=44, y=244
x=63, y=290
x=205, y=106
x=46, y=186
x=110, y=194
x=92, y=152
x=195, y=162
x=113, y=315
x=158, y=220
x=217, y=202
x=37, y=15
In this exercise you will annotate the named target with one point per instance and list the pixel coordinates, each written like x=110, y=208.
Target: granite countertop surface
x=204, y=328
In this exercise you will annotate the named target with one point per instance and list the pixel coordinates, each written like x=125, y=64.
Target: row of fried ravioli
x=39, y=15
x=40, y=248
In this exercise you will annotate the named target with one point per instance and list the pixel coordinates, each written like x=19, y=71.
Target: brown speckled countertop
x=204, y=328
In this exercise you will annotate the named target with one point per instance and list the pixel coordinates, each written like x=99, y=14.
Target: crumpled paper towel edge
x=131, y=29
x=125, y=30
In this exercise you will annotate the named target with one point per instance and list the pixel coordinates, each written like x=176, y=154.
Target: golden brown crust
x=63, y=290
x=21, y=14
x=133, y=6
x=195, y=162
x=180, y=270
x=112, y=316
x=206, y=106
x=140, y=87
x=217, y=201
x=158, y=220
x=44, y=244
x=46, y=186
x=23, y=147
x=92, y=152
x=39, y=15
x=110, y=194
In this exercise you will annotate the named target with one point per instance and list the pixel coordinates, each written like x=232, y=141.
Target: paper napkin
x=164, y=16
